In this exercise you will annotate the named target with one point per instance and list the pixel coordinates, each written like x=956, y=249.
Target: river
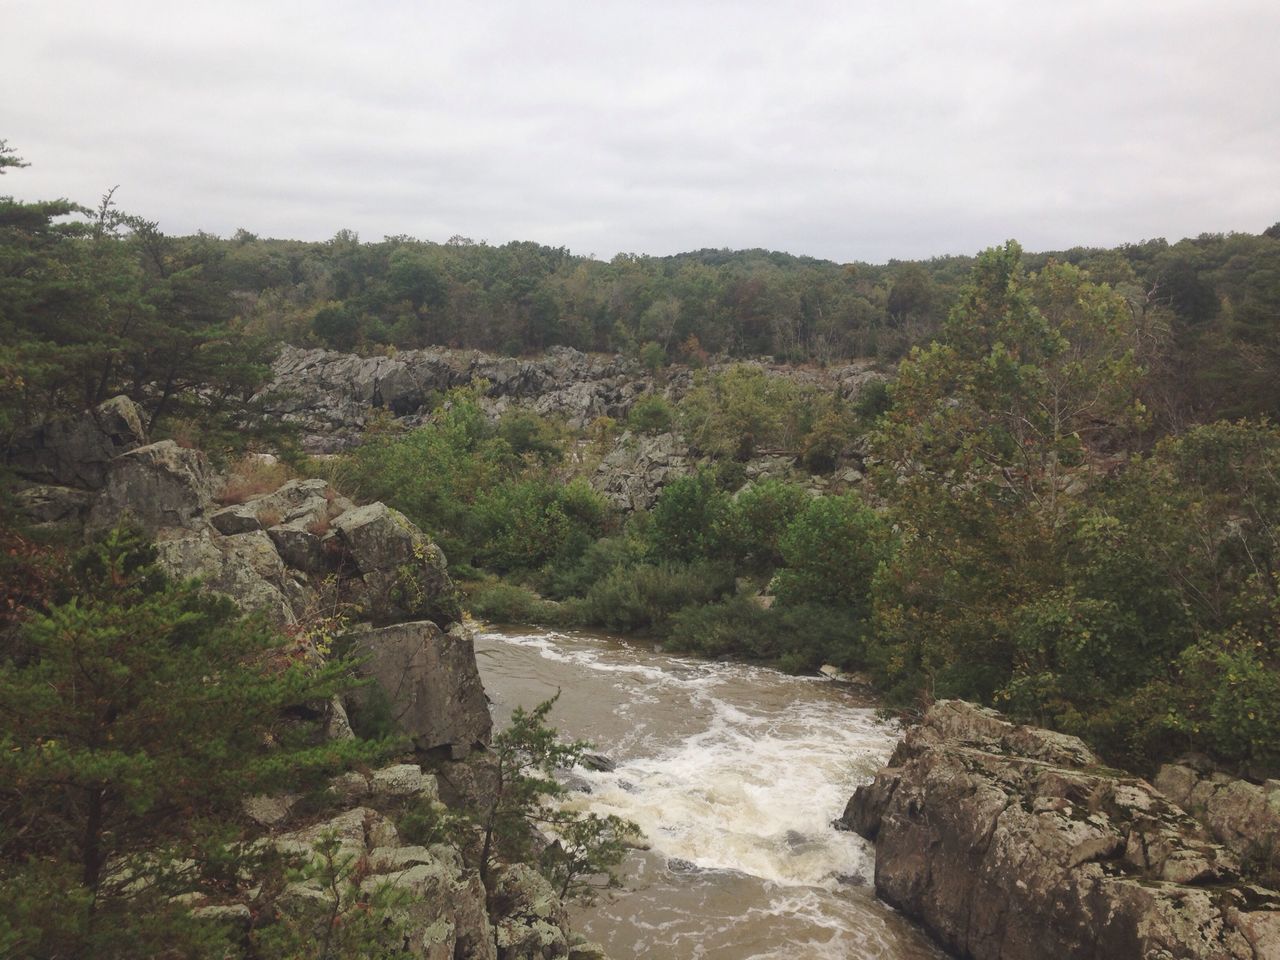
x=734, y=773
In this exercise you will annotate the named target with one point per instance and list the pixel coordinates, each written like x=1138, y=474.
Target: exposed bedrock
x=1010, y=842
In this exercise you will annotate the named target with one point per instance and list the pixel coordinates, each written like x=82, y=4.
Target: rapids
x=734, y=773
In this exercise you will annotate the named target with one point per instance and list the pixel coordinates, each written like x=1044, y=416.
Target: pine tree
x=135, y=714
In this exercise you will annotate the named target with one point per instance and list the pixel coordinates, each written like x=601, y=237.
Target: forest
x=1072, y=501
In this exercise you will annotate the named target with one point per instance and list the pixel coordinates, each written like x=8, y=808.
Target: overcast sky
x=851, y=130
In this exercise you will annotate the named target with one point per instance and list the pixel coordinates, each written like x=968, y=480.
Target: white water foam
x=749, y=789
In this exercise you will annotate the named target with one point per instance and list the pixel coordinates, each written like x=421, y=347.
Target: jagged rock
x=299, y=547
x=1011, y=842
x=530, y=920
x=634, y=473
x=237, y=518
x=77, y=452
x=399, y=574
x=158, y=486
x=1243, y=816
x=267, y=810
x=47, y=504
x=244, y=567
x=444, y=913
x=429, y=681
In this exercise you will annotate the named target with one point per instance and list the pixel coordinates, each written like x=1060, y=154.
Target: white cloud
x=843, y=130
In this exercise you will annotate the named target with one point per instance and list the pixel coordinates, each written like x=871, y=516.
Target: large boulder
x=395, y=571
x=1008, y=842
x=529, y=919
x=77, y=452
x=245, y=567
x=159, y=486
x=1242, y=816
x=429, y=682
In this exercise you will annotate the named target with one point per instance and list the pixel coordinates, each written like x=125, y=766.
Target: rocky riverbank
x=1010, y=842
x=297, y=554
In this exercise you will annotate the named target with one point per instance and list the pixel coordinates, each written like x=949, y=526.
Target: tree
x=991, y=439
x=136, y=715
x=528, y=755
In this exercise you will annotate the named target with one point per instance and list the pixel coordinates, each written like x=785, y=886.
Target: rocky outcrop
x=77, y=452
x=633, y=474
x=331, y=395
x=1242, y=816
x=429, y=681
x=397, y=572
x=1012, y=842
x=158, y=486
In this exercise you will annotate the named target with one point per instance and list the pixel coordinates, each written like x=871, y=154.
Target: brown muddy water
x=734, y=773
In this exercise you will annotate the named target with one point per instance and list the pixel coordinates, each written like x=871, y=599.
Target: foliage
x=685, y=518
x=644, y=598
x=119, y=773
x=651, y=414
x=343, y=920
x=830, y=552
x=528, y=755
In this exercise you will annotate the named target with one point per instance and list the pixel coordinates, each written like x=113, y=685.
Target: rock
x=398, y=573
x=529, y=919
x=237, y=518
x=1243, y=816
x=269, y=811
x=429, y=681
x=77, y=452
x=158, y=486
x=244, y=567
x=633, y=474
x=598, y=762
x=1012, y=842
x=299, y=547
x=404, y=780
x=47, y=504
x=357, y=831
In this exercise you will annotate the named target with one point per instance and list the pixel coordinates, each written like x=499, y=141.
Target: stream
x=734, y=773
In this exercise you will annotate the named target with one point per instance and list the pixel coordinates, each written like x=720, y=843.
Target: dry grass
x=252, y=476
x=319, y=526
x=269, y=517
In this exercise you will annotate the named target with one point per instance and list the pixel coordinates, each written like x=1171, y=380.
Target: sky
x=848, y=131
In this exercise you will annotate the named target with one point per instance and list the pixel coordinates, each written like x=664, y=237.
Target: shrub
x=685, y=517
x=501, y=602
x=645, y=597
x=830, y=552
x=651, y=414
x=754, y=522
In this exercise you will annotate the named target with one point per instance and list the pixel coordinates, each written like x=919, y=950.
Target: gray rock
x=529, y=919
x=77, y=452
x=633, y=474
x=397, y=573
x=299, y=547
x=47, y=504
x=430, y=681
x=1243, y=816
x=161, y=485
x=237, y=518
x=244, y=567
x=1011, y=842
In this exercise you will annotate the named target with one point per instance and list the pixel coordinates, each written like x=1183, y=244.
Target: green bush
x=798, y=639
x=751, y=527
x=684, y=520
x=500, y=602
x=830, y=552
x=651, y=414
x=645, y=597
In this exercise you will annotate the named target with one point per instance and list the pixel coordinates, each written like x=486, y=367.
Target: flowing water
x=735, y=774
